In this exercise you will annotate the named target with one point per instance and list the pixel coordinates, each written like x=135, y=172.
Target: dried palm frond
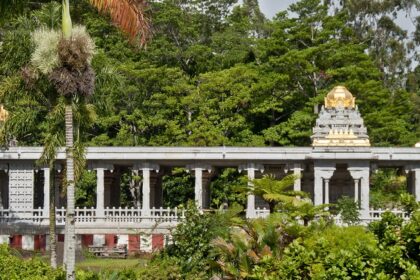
x=72, y=82
x=76, y=52
x=128, y=15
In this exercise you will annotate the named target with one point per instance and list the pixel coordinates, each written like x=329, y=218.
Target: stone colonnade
x=21, y=181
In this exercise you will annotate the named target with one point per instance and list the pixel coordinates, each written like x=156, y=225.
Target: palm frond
x=128, y=15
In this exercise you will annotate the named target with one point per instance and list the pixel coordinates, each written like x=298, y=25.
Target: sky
x=272, y=7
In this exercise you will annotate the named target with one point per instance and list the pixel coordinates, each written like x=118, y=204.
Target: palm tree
x=276, y=192
x=76, y=78
x=130, y=17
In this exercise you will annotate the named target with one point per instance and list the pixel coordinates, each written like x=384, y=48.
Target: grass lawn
x=110, y=264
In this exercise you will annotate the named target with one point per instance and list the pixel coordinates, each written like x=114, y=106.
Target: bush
x=191, y=239
x=13, y=267
x=349, y=210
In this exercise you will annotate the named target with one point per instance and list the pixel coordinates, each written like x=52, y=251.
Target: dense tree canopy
x=216, y=73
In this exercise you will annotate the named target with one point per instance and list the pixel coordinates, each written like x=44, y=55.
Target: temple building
x=339, y=122
x=339, y=163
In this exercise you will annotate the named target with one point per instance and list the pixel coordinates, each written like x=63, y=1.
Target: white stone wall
x=146, y=243
x=28, y=242
x=98, y=240
x=4, y=239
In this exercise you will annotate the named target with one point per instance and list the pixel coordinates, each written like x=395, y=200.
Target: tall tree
x=130, y=17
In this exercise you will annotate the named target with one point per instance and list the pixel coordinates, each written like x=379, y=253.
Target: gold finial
x=339, y=96
x=3, y=114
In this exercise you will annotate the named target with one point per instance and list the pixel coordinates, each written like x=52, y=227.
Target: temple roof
x=339, y=122
x=339, y=96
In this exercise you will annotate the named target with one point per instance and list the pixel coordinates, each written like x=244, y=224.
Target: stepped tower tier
x=339, y=122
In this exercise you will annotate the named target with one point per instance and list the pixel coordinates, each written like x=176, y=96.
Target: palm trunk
x=70, y=232
x=53, y=236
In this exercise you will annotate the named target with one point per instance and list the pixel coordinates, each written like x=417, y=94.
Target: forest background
x=220, y=74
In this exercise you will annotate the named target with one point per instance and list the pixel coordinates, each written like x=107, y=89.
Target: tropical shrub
x=191, y=248
x=13, y=267
x=348, y=209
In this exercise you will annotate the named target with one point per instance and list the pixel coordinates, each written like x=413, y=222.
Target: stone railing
x=373, y=215
x=127, y=216
x=261, y=212
x=90, y=216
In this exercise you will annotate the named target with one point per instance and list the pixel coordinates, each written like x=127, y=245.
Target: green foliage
x=253, y=247
x=409, y=203
x=348, y=209
x=398, y=244
x=410, y=233
x=387, y=188
x=86, y=190
x=306, y=211
x=192, y=239
x=178, y=188
x=14, y=268
x=276, y=192
x=227, y=189
x=337, y=253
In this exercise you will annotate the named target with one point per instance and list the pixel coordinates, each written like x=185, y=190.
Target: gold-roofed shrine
x=339, y=122
x=340, y=97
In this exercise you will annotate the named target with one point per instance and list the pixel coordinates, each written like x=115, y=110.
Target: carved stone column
x=360, y=172
x=251, y=168
x=146, y=169
x=327, y=191
x=100, y=185
x=323, y=171
x=297, y=171
x=199, y=185
x=46, y=206
x=356, y=189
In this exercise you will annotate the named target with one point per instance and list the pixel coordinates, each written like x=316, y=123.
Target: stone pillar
x=327, y=191
x=146, y=192
x=100, y=191
x=323, y=171
x=146, y=169
x=416, y=183
x=198, y=187
x=356, y=190
x=199, y=184
x=360, y=172
x=250, y=169
x=364, y=193
x=297, y=171
x=46, y=209
x=318, y=187
x=100, y=185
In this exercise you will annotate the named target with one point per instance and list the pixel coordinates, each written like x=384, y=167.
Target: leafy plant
x=276, y=192
x=348, y=210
